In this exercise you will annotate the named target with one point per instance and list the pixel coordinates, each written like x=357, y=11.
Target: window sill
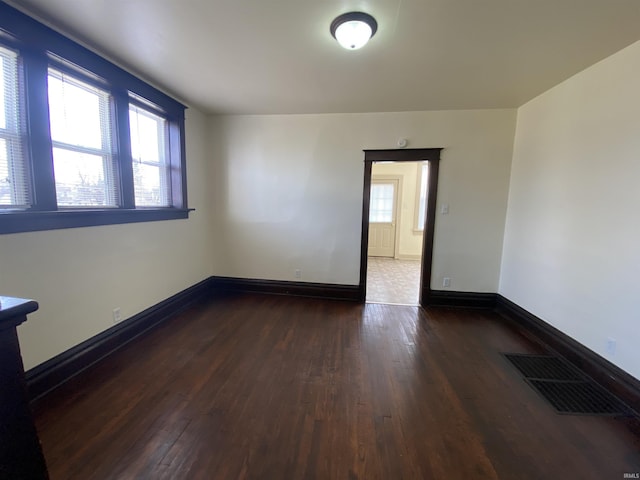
x=16, y=222
x=418, y=232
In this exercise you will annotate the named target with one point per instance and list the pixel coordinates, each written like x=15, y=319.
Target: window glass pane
x=83, y=163
x=381, y=204
x=80, y=179
x=14, y=181
x=148, y=185
x=147, y=135
x=76, y=112
x=148, y=151
x=6, y=194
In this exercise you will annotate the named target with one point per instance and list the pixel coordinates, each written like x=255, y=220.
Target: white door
x=382, y=218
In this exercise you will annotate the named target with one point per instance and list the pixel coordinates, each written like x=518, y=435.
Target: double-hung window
x=149, y=154
x=80, y=124
x=82, y=142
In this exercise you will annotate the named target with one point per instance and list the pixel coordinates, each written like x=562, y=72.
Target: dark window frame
x=40, y=47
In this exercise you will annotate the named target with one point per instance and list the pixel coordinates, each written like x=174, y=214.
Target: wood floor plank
x=256, y=386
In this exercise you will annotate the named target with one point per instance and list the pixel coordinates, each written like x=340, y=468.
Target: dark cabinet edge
x=12, y=307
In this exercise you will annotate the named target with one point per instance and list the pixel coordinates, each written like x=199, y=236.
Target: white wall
x=289, y=192
x=571, y=253
x=79, y=275
x=409, y=240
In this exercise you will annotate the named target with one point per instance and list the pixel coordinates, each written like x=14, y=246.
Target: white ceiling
x=277, y=56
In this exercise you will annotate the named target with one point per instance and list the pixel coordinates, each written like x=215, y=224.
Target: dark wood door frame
x=431, y=155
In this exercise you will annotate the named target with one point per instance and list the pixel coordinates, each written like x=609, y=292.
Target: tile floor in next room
x=393, y=281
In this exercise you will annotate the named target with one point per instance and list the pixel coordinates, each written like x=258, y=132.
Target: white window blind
x=14, y=181
x=149, y=154
x=84, y=167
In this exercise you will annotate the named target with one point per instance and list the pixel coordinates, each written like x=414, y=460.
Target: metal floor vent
x=567, y=389
x=584, y=398
x=545, y=367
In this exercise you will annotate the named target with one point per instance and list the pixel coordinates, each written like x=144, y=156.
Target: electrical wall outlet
x=117, y=315
x=446, y=282
x=298, y=273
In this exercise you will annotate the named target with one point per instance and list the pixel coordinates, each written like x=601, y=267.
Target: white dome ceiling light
x=354, y=29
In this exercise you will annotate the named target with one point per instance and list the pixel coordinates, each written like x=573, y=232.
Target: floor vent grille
x=545, y=367
x=567, y=389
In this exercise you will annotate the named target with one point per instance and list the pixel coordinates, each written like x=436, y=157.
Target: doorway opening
x=398, y=219
x=396, y=225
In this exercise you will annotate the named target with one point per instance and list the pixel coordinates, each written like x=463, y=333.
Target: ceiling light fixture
x=354, y=29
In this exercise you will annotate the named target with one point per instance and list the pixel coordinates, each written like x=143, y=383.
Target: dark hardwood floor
x=271, y=387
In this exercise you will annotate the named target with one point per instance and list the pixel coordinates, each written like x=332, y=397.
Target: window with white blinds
x=82, y=141
x=14, y=182
x=80, y=125
x=149, y=156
